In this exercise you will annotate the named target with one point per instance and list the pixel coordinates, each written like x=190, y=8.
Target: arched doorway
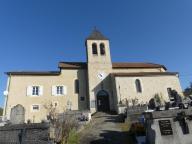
x=103, y=101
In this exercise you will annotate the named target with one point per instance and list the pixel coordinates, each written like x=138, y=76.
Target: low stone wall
x=25, y=134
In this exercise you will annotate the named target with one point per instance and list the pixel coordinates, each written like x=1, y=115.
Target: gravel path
x=104, y=129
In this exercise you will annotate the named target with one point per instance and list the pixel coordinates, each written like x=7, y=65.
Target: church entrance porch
x=103, y=101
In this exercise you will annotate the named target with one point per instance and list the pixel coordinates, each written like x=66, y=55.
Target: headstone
x=17, y=114
x=169, y=127
x=165, y=127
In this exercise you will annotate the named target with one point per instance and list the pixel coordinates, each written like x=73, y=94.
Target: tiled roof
x=76, y=65
x=83, y=65
x=136, y=65
x=73, y=65
x=143, y=74
x=96, y=35
x=42, y=73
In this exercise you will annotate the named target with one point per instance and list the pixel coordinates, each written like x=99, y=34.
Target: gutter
x=6, y=93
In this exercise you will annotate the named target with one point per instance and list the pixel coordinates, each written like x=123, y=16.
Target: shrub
x=73, y=137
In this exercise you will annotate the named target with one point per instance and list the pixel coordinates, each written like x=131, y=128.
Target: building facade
x=96, y=85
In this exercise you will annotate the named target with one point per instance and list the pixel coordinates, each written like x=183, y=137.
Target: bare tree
x=61, y=124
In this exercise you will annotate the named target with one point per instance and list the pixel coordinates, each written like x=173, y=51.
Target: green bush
x=73, y=137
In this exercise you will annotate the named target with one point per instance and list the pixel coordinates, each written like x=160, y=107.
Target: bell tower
x=99, y=66
x=98, y=50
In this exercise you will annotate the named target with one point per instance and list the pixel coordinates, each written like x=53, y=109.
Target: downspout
x=6, y=93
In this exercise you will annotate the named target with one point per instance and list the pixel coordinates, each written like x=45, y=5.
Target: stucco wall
x=150, y=86
x=18, y=93
x=130, y=70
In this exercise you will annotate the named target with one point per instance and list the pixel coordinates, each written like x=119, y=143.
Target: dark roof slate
x=120, y=65
x=96, y=35
x=73, y=65
x=41, y=73
x=144, y=74
x=115, y=65
x=83, y=65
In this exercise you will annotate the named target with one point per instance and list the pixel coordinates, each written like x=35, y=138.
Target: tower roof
x=96, y=35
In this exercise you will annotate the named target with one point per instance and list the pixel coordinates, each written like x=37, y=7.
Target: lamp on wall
x=5, y=93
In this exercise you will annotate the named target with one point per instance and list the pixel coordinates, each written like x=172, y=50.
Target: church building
x=96, y=85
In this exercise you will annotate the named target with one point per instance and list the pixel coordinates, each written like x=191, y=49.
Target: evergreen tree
x=188, y=90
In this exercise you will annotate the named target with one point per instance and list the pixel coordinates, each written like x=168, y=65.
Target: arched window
x=76, y=86
x=102, y=49
x=138, y=86
x=94, y=48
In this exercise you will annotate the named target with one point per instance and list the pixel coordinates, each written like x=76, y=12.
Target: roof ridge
x=96, y=35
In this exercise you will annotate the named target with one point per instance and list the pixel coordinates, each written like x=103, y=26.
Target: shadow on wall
x=82, y=89
x=106, y=85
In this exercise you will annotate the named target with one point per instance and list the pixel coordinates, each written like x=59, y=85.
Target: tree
x=188, y=90
x=1, y=111
x=63, y=126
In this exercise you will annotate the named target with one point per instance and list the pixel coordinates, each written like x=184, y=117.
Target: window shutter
x=29, y=91
x=40, y=90
x=53, y=90
x=64, y=90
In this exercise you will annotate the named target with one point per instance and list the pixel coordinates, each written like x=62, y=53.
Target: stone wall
x=25, y=134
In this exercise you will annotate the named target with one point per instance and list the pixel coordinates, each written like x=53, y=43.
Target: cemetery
x=157, y=122
x=54, y=130
x=162, y=122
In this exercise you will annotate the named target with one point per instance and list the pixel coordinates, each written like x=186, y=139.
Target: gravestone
x=169, y=127
x=17, y=114
x=165, y=127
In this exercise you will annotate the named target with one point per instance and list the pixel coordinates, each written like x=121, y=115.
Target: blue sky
x=37, y=34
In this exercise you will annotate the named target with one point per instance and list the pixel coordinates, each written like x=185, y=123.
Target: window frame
x=138, y=86
x=76, y=86
x=35, y=91
x=55, y=90
x=59, y=90
x=35, y=110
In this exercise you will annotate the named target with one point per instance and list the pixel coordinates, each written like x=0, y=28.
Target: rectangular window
x=35, y=108
x=76, y=86
x=59, y=90
x=82, y=98
x=35, y=90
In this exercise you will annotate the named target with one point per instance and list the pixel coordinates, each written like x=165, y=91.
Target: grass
x=73, y=137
